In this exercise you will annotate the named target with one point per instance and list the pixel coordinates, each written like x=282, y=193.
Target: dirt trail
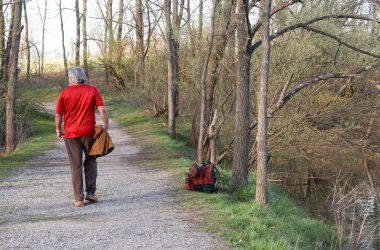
x=135, y=210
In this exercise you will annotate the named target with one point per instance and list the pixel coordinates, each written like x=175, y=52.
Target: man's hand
x=58, y=125
x=104, y=116
x=59, y=134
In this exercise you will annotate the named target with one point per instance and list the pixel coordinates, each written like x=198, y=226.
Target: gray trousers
x=75, y=148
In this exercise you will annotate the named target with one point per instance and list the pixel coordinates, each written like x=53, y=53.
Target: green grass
x=41, y=138
x=234, y=215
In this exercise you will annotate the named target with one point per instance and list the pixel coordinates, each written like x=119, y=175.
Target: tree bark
x=110, y=28
x=5, y=63
x=2, y=40
x=10, y=143
x=200, y=20
x=84, y=31
x=77, y=39
x=262, y=125
x=120, y=32
x=139, y=42
x=242, y=116
x=27, y=42
x=120, y=22
x=202, y=126
x=63, y=37
x=43, y=39
x=172, y=30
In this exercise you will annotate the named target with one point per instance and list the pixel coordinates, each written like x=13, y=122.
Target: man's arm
x=104, y=116
x=58, y=125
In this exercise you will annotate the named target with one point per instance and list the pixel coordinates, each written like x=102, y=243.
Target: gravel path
x=135, y=210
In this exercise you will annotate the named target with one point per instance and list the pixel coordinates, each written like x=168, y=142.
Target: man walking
x=76, y=105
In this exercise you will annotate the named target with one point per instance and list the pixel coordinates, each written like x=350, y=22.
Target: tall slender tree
x=242, y=116
x=172, y=41
x=262, y=125
x=200, y=20
x=2, y=40
x=43, y=19
x=10, y=143
x=84, y=31
x=139, y=42
x=27, y=42
x=7, y=54
x=63, y=37
x=77, y=38
x=120, y=22
x=202, y=128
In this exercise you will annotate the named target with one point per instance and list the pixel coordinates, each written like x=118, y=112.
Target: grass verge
x=231, y=214
x=42, y=136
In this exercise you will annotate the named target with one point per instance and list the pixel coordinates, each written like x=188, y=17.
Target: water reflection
x=348, y=201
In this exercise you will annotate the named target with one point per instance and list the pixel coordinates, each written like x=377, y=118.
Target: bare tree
x=120, y=23
x=7, y=54
x=10, y=143
x=242, y=116
x=109, y=27
x=139, y=42
x=63, y=36
x=202, y=128
x=172, y=36
x=200, y=20
x=84, y=31
x=43, y=20
x=262, y=126
x=77, y=39
x=2, y=39
x=27, y=42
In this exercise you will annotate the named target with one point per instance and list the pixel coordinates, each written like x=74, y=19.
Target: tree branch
x=289, y=96
x=341, y=42
x=307, y=23
x=278, y=8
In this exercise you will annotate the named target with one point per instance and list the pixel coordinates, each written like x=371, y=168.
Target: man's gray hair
x=77, y=75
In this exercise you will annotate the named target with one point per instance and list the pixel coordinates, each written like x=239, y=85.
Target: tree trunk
x=77, y=39
x=262, y=125
x=120, y=22
x=43, y=39
x=5, y=63
x=2, y=40
x=84, y=30
x=242, y=115
x=223, y=26
x=120, y=32
x=13, y=74
x=110, y=28
x=200, y=20
x=63, y=37
x=139, y=42
x=202, y=126
x=173, y=67
x=27, y=42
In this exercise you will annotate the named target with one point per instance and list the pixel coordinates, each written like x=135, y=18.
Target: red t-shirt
x=77, y=105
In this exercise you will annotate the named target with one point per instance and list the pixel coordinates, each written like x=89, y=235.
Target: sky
x=53, y=42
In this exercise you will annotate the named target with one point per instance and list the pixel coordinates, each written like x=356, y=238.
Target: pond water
x=344, y=199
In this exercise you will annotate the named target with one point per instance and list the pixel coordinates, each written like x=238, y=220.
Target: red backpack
x=202, y=178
